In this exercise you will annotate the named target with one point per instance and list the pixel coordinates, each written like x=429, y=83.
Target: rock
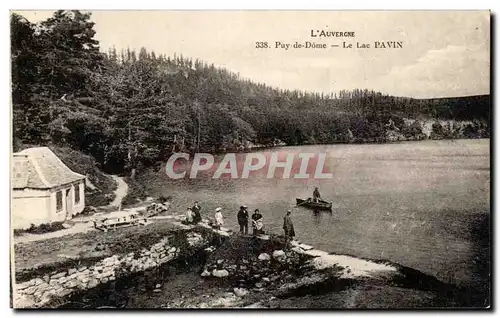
x=62, y=280
x=243, y=267
x=172, y=250
x=298, y=250
x=205, y=273
x=278, y=254
x=258, y=285
x=220, y=273
x=219, y=261
x=93, y=283
x=37, y=281
x=240, y=292
x=58, y=275
x=30, y=290
x=24, y=285
x=264, y=257
x=46, y=297
x=266, y=279
x=71, y=284
x=306, y=247
x=72, y=271
x=64, y=292
x=24, y=301
x=158, y=286
x=83, y=279
x=157, y=290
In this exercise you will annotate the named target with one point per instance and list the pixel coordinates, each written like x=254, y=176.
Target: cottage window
x=77, y=194
x=59, y=201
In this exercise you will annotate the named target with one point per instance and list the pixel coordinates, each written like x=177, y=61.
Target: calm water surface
x=422, y=204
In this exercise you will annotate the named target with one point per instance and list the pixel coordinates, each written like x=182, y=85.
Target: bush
x=41, y=229
x=136, y=193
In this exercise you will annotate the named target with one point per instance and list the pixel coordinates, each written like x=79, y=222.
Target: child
x=189, y=216
x=219, y=219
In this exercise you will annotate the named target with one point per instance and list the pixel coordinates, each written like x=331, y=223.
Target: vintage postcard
x=250, y=159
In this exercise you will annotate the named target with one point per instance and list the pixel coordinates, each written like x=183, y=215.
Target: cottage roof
x=40, y=168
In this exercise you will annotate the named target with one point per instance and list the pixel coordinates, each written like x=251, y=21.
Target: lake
x=422, y=204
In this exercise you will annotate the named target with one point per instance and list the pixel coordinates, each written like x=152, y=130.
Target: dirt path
x=120, y=192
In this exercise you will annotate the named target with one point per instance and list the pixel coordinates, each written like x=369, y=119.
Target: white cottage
x=44, y=189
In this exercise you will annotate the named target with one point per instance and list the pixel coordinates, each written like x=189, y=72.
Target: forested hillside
x=129, y=108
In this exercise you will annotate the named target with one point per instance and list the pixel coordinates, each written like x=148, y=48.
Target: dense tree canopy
x=128, y=109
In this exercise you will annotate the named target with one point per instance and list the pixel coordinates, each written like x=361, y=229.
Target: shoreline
x=356, y=142
x=312, y=267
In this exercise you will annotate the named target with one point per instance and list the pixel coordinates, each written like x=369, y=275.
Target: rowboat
x=309, y=203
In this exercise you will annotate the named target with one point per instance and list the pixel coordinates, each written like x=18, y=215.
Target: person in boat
x=316, y=195
x=257, y=224
x=288, y=228
x=196, y=213
x=219, y=219
x=243, y=219
x=189, y=216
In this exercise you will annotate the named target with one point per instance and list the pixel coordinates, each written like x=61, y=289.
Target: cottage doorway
x=69, y=204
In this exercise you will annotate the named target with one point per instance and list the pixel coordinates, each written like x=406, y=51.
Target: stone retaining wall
x=40, y=291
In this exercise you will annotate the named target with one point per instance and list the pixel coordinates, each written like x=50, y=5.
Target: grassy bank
x=34, y=258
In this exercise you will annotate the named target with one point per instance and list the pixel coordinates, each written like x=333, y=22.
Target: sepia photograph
x=257, y=159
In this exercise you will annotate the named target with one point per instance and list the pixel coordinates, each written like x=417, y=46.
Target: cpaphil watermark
x=234, y=166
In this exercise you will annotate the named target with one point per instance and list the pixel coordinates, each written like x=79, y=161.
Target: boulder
x=264, y=257
x=278, y=254
x=205, y=273
x=240, y=292
x=220, y=273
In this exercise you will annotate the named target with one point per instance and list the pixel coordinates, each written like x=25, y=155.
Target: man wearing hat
x=219, y=219
x=243, y=219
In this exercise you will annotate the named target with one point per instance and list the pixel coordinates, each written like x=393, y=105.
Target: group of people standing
x=193, y=216
x=257, y=221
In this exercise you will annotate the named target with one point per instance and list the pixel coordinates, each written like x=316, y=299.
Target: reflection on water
x=414, y=203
